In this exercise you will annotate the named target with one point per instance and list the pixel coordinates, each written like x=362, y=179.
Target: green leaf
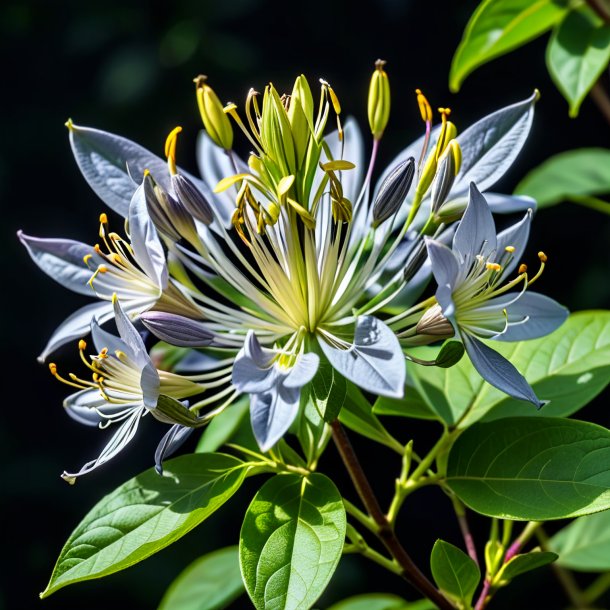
x=145, y=515
x=532, y=469
x=569, y=367
x=499, y=26
x=455, y=573
x=357, y=415
x=291, y=541
x=520, y=564
x=451, y=353
x=584, y=544
x=224, y=426
x=577, y=54
x=585, y=171
x=412, y=405
x=211, y=582
x=328, y=390
x=381, y=601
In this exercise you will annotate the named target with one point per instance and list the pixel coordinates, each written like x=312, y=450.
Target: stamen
x=170, y=149
x=542, y=256
x=510, y=249
x=493, y=267
x=522, y=268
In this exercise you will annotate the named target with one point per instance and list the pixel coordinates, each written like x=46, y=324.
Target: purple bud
x=192, y=199
x=177, y=330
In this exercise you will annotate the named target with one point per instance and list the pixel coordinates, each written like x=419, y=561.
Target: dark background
x=127, y=67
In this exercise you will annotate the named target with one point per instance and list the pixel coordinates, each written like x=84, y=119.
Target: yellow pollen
x=82, y=345
x=522, y=268
x=510, y=249
x=424, y=107
x=102, y=269
x=445, y=112
x=103, y=218
x=493, y=267
x=103, y=353
x=97, y=248
x=543, y=257
x=87, y=258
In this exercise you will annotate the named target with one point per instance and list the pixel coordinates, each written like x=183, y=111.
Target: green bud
x=215, y=121
x=276, y=132
x=379, y=100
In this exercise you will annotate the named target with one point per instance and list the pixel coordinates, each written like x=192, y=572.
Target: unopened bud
x=447, y=169
x=192, y=199
x=215, y=121
x=393, y=191
x=379, y=100
x=433, y=322
x=177, y=330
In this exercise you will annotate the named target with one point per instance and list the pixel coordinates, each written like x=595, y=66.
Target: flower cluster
x=264, y=269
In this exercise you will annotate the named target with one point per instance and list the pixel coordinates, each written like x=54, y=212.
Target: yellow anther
x=493, y=267
x=170, y=148
x=87, y=258
x=82, y=345
x=522, y=268
x=424, y=107
x=97, y=248
x=116, y=258
x=95, y=377
x=102, y=269
x=53, y=368
x=543, y=257
x=510, y=249
x=103, y=353
x=103, y=218
x=146, y=173
x=120, y=355
x=444, y=112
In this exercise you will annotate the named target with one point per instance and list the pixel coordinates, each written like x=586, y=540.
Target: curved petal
x=476, y=233
x=498, y=371
x=76, y=326
x=516, y=236
x=62, y=259
x=303, y=371
x=445, y=267
x=271, y=414
x=103, y=339
x=540, y=314
x=130, y=335
x=170, y=443
x=150, y=384
x=507, y=204
x=177, y=330
x=83, y=407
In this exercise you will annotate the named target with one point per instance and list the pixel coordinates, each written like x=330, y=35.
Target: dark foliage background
x=127, y=67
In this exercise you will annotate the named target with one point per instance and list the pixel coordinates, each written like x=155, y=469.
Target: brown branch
x=409, y=571
x=601, y=99
x=599, y=9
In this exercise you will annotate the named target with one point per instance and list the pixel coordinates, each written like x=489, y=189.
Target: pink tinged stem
x=468, y=540
x=483, y=597
x=513, y=549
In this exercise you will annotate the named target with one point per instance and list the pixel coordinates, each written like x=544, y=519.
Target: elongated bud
x=434, y=323
x=276, y=132
x=192, y=199
x=215, y=121
x=177, y=330
x=379, y=100
x=447, y=169
x=393, y=191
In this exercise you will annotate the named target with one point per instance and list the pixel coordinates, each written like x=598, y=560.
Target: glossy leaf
x=577, y=54
x=499, y=26
x=146, y=514
x=412, y=405
x=209, y=583
x=568, y=367
x=532, y=469
x=520, y=564
x=291, y=541
x=381, y=601
x=455, y=573
x=328, y=389
x=224, y=426
x=584, y=171
x=584, y=544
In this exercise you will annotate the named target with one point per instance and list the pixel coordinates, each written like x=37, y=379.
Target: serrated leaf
x=209, y=583
x=224, y=426
x=569, y=367
x=584, y=171
x=291, y=541
x=455, y=573
x=145, y=515
x=533, y=469
x=584, y=544
x=381, y=601
x=499, y=26
x=577, y=54
x=520, y=564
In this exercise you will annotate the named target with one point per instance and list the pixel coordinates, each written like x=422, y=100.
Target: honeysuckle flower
x=477, y=297
x=124, y=387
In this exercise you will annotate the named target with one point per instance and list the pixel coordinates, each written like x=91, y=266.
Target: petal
x=177, y=330
x=351, y=149
x=303, y=371
x=170, y=443
x=476, y=233
x=498, y=371
x=542, y=316
x=103, y=339
x=445, y=267
x=247, y=376
x=129, y=334
x=507, y=204
x=374, y=362
x=515, y=236
x=145, y=241
x=261, y=356
x=76, y=326
x=197, y=362
x=82, y=407
x=150, y=384
x=114, y=166
x=62, y=259
x=271, y=414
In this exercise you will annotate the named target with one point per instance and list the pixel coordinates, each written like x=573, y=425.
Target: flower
x=475, y=296
x=123, y=388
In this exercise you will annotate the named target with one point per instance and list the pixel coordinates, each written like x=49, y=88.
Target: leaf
x=569, y=367
x=412, y=405
x=584, y=171
x=209, y=583
x=381, y=601
x=577, y=54
x=520, y=564
x=224, y=426
x=532, y=469
x=328, y=389
x=145, y=515
x=291, y=541
x=497, y=27
x=584, y=544
x=455, y=573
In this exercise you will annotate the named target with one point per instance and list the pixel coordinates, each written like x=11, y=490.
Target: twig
x=601, y=99
x=460, y=513
x=408, y=570
x=598, y=8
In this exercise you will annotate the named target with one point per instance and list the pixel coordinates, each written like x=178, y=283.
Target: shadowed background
x=128, y=68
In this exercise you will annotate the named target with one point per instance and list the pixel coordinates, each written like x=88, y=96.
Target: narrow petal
x=374, y=362
x=498, y=371
x=476, y=233
x=170, y=443
x=444, y=264
x=129, y=334
x=145, y=241
x=541, y=315
x=83, y=407
x=103, y=339
x=508, y=204
x=76, y=326
x=177, y=330
x=62, y=259
x=271, y=414
x=254, y=350
x=516, y=236
x=150, y=384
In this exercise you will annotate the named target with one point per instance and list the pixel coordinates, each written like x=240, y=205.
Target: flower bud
x=276, y=132
x=177, y=330
x=379, y=100
x=215, y=121
x=447, y=169
x=192, y=199
x=393, y=191
x=434, y=323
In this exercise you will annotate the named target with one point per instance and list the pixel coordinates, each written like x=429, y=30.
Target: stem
x=361, y=517
x=360, y=546
x=524, y=536
x=483, y=596
x=594, y=203
x=598, y=8
x=408, y=570
x=460, y=513
x=601, y=99
x=597, y=588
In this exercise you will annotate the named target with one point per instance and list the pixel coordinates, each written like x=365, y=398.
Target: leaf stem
x=408, y=570
x=361, y=517
x=594, y=203
x=360, y=546
x=600, y=97
x=597, y=588
x=460, y=513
